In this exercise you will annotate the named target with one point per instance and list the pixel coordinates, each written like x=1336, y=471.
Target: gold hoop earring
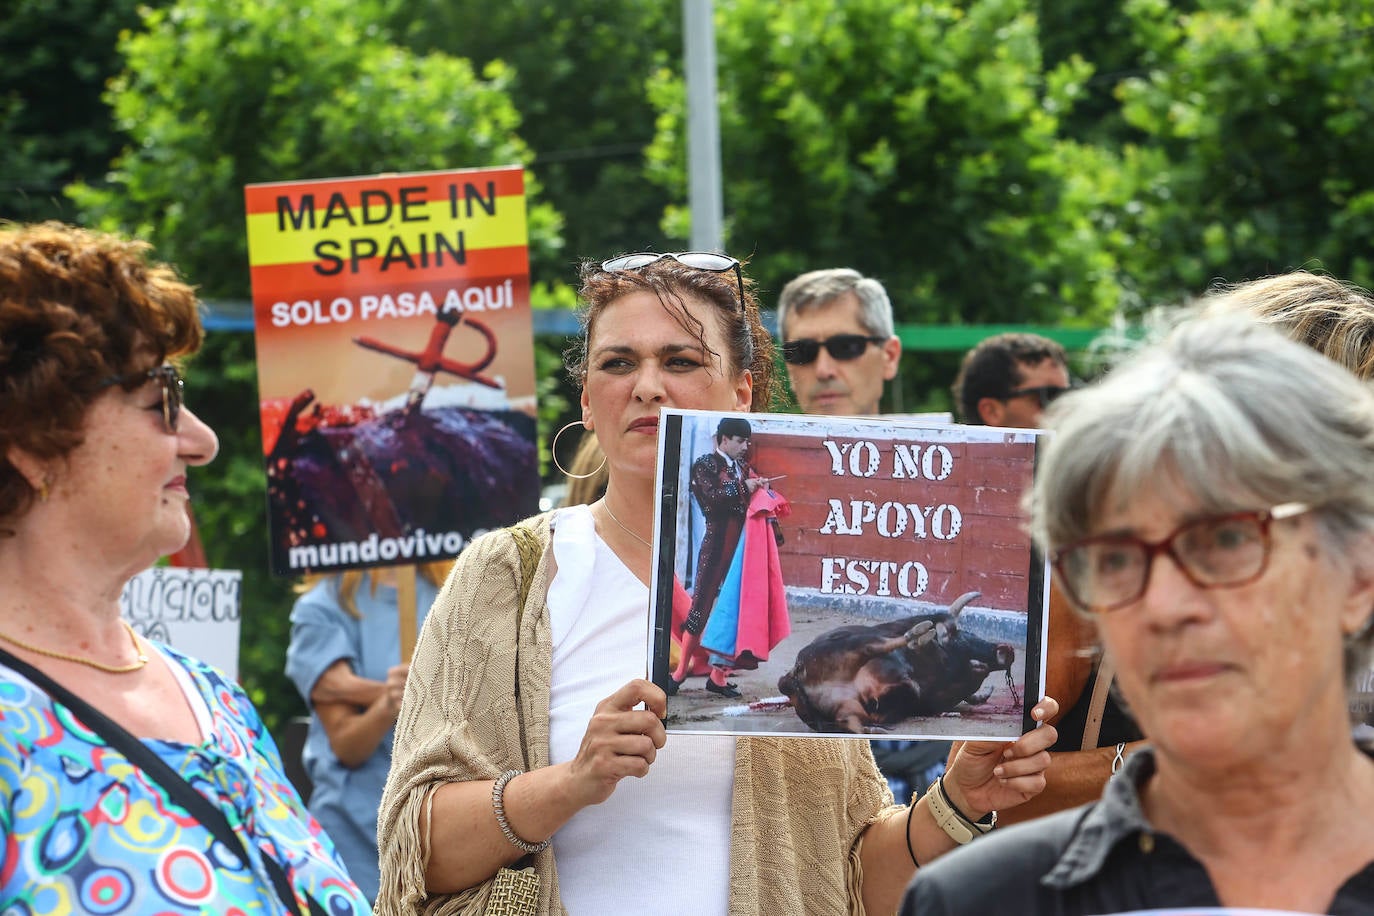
x=553, y=453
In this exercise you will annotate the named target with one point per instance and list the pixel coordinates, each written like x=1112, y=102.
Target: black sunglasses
x=169, y=378
x=699, y=260
x=1046, y=393
x=844, y=347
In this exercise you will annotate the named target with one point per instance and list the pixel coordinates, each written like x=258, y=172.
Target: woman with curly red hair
x=133, y=779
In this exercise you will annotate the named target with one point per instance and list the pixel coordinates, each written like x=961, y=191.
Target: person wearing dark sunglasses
x=838, y=341
x=103, y=731
x=1009, y=380
x=840, y=350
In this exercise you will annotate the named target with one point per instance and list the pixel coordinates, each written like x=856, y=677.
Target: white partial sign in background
x=195, y=611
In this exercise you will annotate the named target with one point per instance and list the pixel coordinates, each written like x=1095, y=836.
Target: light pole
x=703, y=127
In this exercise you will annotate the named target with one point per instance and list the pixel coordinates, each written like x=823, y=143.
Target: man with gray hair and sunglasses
x=838, y=341
x=841, y=348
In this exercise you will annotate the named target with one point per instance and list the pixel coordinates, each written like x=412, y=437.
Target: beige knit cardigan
x=799, y=804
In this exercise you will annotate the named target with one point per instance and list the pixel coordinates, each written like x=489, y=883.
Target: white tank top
x=660, y=844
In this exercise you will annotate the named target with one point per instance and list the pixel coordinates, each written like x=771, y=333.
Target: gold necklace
x=88, y=662
x=607, y=506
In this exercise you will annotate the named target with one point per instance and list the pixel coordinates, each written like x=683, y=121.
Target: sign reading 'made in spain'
x=395, y=364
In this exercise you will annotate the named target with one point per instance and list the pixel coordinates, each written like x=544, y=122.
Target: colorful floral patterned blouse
x=83, y=831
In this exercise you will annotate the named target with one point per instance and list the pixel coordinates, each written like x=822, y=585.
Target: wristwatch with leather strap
x=951, y=820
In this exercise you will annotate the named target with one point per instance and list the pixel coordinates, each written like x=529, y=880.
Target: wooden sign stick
x=405, y=605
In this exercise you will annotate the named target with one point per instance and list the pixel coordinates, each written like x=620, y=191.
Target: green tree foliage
x=921, y=144
x=217, y=94
x=578, y=74
x=576, y=70
x=1256, y=122
x=54, y=128
x=1100, y=32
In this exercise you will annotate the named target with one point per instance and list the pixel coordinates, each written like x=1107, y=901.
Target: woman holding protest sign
x=526, y=707
x=135, y=779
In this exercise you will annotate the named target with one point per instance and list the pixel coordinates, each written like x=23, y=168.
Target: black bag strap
x=181, y=791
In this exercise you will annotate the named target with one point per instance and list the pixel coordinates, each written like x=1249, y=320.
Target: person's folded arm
x=339, y=684
x=355, y=734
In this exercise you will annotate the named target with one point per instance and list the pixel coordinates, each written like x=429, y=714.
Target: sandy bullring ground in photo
x=694, y=709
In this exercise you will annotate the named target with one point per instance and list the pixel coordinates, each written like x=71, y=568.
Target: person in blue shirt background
x=345, y=659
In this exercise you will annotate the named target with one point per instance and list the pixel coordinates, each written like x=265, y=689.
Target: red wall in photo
x=989, y=552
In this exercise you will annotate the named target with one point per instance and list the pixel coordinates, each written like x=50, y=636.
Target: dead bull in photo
x=865, y=679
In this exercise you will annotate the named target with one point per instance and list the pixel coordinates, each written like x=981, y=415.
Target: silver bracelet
x=1120, y=758
x=498, y=804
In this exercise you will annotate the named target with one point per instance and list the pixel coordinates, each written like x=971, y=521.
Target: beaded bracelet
x=498, y=804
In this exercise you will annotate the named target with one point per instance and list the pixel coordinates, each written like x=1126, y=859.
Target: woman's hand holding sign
x=984, y=776
x=622, y=739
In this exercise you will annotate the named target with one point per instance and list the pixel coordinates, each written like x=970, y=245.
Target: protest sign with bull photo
x=395, y=364
x=844, y=576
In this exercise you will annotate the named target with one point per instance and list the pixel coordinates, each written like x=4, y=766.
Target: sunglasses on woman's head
x=699, y=260
x=843, y=347
x=169, y=379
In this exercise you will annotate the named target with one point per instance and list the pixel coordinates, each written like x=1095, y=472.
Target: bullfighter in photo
x=722, y=484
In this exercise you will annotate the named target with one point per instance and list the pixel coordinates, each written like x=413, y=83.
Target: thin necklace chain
x=607, y=506
x=88, y=662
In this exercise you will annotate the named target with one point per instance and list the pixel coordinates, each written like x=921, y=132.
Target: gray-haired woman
x=1211, y=506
